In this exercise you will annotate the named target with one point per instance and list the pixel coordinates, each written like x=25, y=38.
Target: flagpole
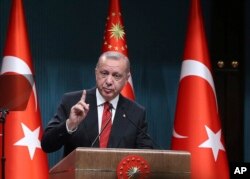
x=4, y=113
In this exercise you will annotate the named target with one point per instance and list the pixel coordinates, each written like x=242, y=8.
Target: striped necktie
x=106, y=125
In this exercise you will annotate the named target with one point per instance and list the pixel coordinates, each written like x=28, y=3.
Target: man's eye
x=117, y=76
x=103, y=73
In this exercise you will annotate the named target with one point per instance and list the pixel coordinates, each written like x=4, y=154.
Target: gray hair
x=114, y=55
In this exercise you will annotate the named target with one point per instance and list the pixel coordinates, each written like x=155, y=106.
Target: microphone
x=145, y=133
x=106, y=124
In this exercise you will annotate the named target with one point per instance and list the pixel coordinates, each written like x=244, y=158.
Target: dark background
x=66, y=39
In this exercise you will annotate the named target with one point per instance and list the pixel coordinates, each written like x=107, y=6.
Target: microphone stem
x=93, y=143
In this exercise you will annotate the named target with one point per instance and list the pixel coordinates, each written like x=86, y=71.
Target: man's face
x=111, y=76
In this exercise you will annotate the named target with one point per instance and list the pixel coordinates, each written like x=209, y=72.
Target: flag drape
x=197, y=126
x=23, y=127
x=115, y=40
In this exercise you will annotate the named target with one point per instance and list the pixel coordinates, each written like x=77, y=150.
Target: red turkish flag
x=197, y=126
x=115, y=40
x=23, y=127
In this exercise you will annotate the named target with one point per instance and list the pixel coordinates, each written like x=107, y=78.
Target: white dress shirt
x=100, y=103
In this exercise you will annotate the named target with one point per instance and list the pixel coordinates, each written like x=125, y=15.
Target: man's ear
x=128, y=75
x=96, y=72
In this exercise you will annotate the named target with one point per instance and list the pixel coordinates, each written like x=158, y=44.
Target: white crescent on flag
x=17, y=65
x=196, y=68
x=176, y=135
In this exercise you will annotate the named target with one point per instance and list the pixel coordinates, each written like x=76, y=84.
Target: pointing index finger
x=83, y=95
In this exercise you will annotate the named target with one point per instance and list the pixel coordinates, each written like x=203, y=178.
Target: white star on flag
x=30, y=140
x=213, y=142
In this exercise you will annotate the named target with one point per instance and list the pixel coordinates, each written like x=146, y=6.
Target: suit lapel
x=119, y=124
x=91, y=121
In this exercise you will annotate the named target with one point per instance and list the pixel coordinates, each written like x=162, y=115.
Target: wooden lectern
x=96, y=163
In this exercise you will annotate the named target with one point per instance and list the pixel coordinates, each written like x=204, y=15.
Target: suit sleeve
x=143, y=140
x=55, y=134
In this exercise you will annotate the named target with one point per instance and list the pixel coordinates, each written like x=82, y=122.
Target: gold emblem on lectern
x=133, y=167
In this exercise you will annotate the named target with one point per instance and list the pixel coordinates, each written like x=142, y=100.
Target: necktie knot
x=107, y=105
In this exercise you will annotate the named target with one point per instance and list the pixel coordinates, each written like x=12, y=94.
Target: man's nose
x=109, y=79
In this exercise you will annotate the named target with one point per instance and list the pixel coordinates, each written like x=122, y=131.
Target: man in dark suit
x=78, y=120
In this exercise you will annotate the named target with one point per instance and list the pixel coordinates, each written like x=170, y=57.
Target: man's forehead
x=112, y=62
x=113, y=67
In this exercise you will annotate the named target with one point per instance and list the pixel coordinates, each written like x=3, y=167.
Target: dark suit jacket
x=124, y=133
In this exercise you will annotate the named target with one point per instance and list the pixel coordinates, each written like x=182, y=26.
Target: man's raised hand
x=78, y=112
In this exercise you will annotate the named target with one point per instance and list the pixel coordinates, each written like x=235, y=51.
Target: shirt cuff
x=70, y=131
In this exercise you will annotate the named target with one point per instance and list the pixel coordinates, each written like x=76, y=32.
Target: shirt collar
x=100, y=100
